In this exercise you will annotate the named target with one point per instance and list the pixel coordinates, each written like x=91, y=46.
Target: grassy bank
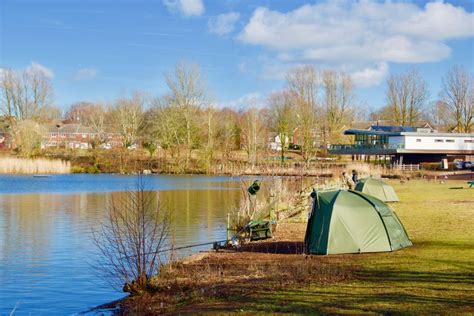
x=434, y=276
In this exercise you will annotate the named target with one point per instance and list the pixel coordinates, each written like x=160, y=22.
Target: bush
x=131, y=239
x=77, y=169
x=92, y=169
x=436, y=166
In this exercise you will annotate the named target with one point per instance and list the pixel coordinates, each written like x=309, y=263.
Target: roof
x=368, y=124
x=370, y=132
x=389, y=130
x=392, y=129
x=68, y=128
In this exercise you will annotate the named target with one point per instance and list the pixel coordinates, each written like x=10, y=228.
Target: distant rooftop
x=389, y=130
x=393, y=129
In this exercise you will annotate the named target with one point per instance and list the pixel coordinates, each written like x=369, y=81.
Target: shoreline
x=273, y=276
x=452, y=175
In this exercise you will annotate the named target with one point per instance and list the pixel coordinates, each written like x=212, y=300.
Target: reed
x=13, y=165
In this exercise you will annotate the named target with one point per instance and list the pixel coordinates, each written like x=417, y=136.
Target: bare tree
x=406, y=95
x=167, y=125
x=282, y=118
x=458, y=94
x=8, y=89
x=338, y=99
x=210, y=135
x=25, y=92
x=49, y=113
x=131, y=238
x=252, y=133
x=384, y=113
x=439, y=114
x=227, y=132
x=127, y=117
x=303, y=83
x=93, y=115
x=40, y=88
x=188, y=94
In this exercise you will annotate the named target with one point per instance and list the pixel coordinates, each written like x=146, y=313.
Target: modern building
x=406, y=144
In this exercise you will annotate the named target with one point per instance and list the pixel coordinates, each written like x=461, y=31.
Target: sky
x=103, y=49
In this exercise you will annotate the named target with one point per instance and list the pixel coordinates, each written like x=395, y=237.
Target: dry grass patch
x=13, y=165
x=234, y=276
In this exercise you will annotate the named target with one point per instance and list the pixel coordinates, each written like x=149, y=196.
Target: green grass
x=436, y=275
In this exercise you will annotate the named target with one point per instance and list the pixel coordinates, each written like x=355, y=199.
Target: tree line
x=309, y=112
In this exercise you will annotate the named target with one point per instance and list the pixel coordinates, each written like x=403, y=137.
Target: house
x=275, y=142
x=406, y=144
x=6, y=140
x=4, y=136
x=77, y=136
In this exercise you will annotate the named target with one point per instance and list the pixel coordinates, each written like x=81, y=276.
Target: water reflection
x=45, y=244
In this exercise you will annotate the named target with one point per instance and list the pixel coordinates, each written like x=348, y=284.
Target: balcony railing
x=368, y=147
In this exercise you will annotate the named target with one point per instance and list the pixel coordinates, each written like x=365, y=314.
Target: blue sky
x=100, y=50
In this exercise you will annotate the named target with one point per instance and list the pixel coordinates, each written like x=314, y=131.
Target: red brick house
x=76, y=136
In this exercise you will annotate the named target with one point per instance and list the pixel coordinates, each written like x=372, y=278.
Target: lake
x=46, y=223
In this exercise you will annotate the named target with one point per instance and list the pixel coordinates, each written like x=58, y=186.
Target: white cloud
x=370, y=76
x=253, y=99
x=185, y=7
x=35, y=67
x=360, y=33
x=85, y=74
x=223, y=24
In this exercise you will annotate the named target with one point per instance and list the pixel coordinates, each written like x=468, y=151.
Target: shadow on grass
x=445, y=244
x=347, y=300
x=342, y=299
x=277, y=247
x=458, y=278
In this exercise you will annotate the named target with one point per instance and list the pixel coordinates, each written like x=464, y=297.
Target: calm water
x=45, y=233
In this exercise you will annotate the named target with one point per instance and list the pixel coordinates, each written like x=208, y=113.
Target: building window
x=418, y=140
x=469, y=140
x=439, y=141
x=450, y=140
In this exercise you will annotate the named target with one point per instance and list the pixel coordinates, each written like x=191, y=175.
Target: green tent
x=378, y=188
x=346, y=221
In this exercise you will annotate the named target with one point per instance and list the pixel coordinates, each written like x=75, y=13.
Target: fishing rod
x=252, y=190
x=216, y=245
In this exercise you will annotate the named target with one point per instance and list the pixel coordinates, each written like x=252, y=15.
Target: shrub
x=92, y=169
x=131, y=239
x=77, y=169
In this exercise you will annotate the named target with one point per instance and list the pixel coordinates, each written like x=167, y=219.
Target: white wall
x=427, y=142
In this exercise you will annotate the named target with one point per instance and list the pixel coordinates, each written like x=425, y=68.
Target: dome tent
x=378, y=188
x=346, y=221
